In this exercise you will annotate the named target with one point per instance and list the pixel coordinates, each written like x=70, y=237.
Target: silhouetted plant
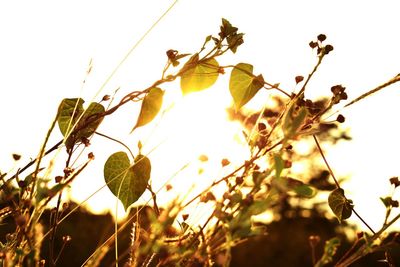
x=250, y=189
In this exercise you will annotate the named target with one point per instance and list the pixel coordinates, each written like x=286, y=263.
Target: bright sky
x=46, y=46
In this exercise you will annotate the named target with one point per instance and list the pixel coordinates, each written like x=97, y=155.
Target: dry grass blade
x=380, y=87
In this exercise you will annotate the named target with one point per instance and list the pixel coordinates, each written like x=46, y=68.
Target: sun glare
x=195, y=132
x=186, y=144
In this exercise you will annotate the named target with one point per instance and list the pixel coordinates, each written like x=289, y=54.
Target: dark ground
x=286, y=242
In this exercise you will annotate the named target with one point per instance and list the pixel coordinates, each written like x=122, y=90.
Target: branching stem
x=337, y=183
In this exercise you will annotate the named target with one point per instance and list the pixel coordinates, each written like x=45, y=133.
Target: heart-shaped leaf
x=198, y=75
x=151, y=105
x=243, y=85
x=69, y=111
x=340, y=205
x=90, y=113
x=127, y=182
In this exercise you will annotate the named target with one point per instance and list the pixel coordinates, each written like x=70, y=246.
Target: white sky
x=45, y=48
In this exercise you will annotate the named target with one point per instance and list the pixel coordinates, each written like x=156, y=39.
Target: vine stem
x=326, y=162
x=364, y=248
x=57, y=215
x=117, y=141
x=337, y=183
x=376, y=89
x=303, y=88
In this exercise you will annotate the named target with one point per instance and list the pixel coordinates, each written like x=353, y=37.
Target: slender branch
x=337, y=183
x=362, y=220
x=349, y=251
x=378, y=88
x=56, y=146
x=386, y=226
x=326, y=162
x=117, y=141
x=56, y=216
x=303, y=88
x=364, y=250
x=154, y=197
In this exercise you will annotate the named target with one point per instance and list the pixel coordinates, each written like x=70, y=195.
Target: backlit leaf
x=199, y=75
x=151, y=105
x=90, y=114
x=305, y=191
x=300, y=188
x=243, y=85
x=68, y=112
x=339, y=204
x=127, y=182
x=227, y=29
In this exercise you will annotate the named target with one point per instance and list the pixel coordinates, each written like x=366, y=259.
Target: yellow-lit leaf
x=151, y=105
x=69, y=111
x=90, y=113
x=127, y=182
x=199, y=75
x=243, y=85
x=305, y=191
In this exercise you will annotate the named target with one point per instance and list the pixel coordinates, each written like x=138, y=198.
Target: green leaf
x=305, y=191
x=301, y=189
x=90, y=113
x=279, y=165
x=243, y=85
x=198, y=75
x=151, y=105
x=340, y=205
x=69, y=111
x=127, y=182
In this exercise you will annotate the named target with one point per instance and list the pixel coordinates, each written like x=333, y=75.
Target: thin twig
x=326, y=162
x=337, y=183
x=373, y=91
x=154, y=197
x=349, y=251
x=117, y=141
x=303, y=88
